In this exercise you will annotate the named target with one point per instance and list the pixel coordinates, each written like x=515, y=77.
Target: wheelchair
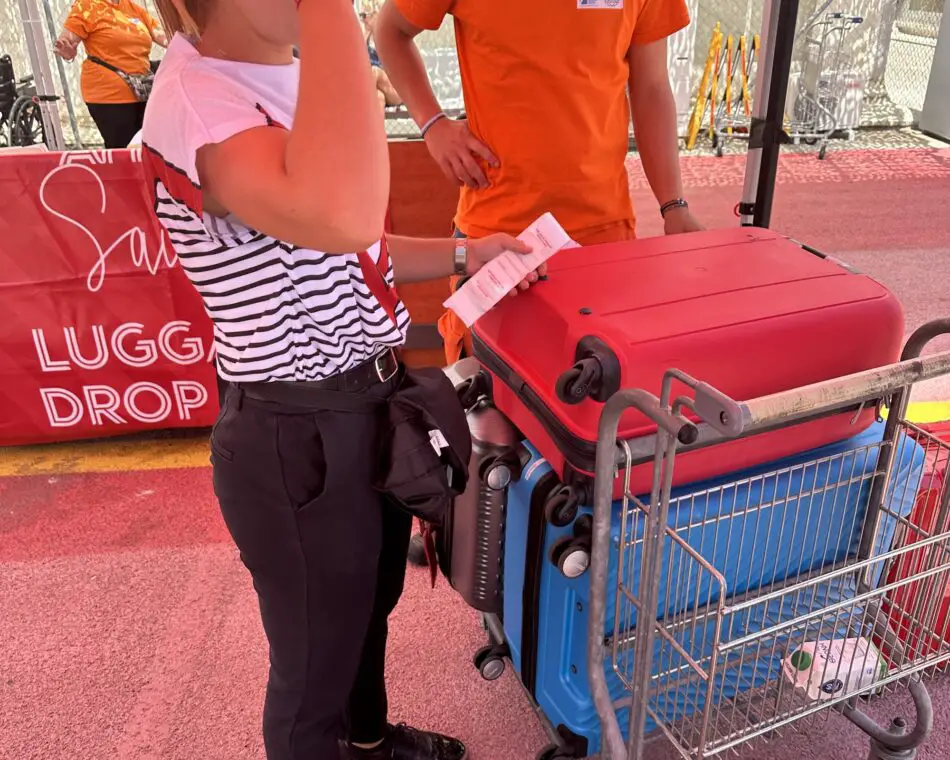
x=21, y=122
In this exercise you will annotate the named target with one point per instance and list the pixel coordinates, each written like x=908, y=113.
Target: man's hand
x=483, y=250
x=678, y=220
x=457, y=151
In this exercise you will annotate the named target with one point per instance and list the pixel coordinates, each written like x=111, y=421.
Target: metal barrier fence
x=882, y=71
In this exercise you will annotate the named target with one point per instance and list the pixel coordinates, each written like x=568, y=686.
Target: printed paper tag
x=497, y=278
x=600, y=4
x=438, y=441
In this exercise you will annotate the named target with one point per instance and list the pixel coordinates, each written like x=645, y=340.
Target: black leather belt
x=377, y=371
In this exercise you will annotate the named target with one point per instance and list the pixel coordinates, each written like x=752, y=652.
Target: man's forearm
x=407, y=73
x=655, y=125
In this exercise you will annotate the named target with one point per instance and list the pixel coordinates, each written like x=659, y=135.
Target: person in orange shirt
x=545, y=84
x=119, y=33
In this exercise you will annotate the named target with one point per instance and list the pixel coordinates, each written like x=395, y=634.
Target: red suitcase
x=746, y=310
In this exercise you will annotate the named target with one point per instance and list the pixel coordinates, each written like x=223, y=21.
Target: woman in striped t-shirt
x=270, y=176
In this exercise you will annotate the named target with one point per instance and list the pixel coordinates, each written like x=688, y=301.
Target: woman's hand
x=67, y=46
x=483, y=250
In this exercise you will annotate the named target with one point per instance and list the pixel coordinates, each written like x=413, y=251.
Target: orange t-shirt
x=118, y=33
x=545, y=86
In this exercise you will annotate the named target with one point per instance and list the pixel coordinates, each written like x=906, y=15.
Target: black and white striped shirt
x=280, y=312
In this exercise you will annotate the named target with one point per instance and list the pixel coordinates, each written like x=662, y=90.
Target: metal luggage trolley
x=710, y=670
x=820, y=92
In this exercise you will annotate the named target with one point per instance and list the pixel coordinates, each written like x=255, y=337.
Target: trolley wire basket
x=831, y=585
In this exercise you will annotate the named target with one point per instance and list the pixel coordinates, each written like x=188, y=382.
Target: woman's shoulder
x=86, y=14
x=186, y=87
x=185, y=71
x=193, y=104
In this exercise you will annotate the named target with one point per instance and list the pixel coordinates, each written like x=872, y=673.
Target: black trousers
x=327, y=557
x=118, y=123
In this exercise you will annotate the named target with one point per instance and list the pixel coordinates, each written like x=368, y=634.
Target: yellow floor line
x=190, y=449
x=105, y=456
x=928, y=411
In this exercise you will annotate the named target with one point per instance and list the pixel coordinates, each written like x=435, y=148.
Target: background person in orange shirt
x=121, y=33
x=545, y=84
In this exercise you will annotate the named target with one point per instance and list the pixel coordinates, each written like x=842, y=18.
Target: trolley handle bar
x=829, y=395
x=845, y=17
x=916, y=343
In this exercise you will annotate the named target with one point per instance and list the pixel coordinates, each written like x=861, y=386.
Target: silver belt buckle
x=381, y=370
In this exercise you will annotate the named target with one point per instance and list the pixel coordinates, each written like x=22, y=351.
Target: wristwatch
x=461, y=256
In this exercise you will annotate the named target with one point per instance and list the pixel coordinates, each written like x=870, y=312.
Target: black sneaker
x=406, y=743
x=417, y=551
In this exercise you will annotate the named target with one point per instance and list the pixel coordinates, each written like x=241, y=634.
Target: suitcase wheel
x=595, y=374
x=574, y=385
x=474, y=388
x=571, y=556
x=497, y=472
x=494, y=474
x=561, y=507
x=490, y=661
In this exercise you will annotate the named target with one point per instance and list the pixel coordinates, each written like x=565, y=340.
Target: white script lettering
x=134, y=237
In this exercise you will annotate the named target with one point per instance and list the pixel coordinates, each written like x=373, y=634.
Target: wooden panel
x=422, y=204
x=433, y=357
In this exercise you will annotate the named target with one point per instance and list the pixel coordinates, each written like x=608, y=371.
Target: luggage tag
x=439, y=444
x=490, y=284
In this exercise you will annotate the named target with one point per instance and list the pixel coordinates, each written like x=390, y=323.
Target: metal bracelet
x=431, y=122
x=676, y=203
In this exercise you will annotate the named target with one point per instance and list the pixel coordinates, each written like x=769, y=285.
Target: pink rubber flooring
x=130, y=630
x=128, y=627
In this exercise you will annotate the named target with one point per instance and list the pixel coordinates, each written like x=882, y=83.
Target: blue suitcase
x=537, y=615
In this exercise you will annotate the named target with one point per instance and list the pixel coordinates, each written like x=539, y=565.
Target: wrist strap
x=675, y=203
x=428, y=125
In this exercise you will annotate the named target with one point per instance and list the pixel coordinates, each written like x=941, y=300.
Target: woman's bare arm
x=67, y=45
x=420, y=259
x=325, y=183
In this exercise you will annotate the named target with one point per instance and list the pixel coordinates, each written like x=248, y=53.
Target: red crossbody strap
x=374, y=275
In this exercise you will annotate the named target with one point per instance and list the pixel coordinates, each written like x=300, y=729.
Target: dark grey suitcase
x=470, y=544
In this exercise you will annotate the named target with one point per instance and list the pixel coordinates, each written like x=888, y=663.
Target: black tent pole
x=767, y=132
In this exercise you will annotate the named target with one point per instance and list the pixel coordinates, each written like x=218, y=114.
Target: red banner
x=101, y=334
